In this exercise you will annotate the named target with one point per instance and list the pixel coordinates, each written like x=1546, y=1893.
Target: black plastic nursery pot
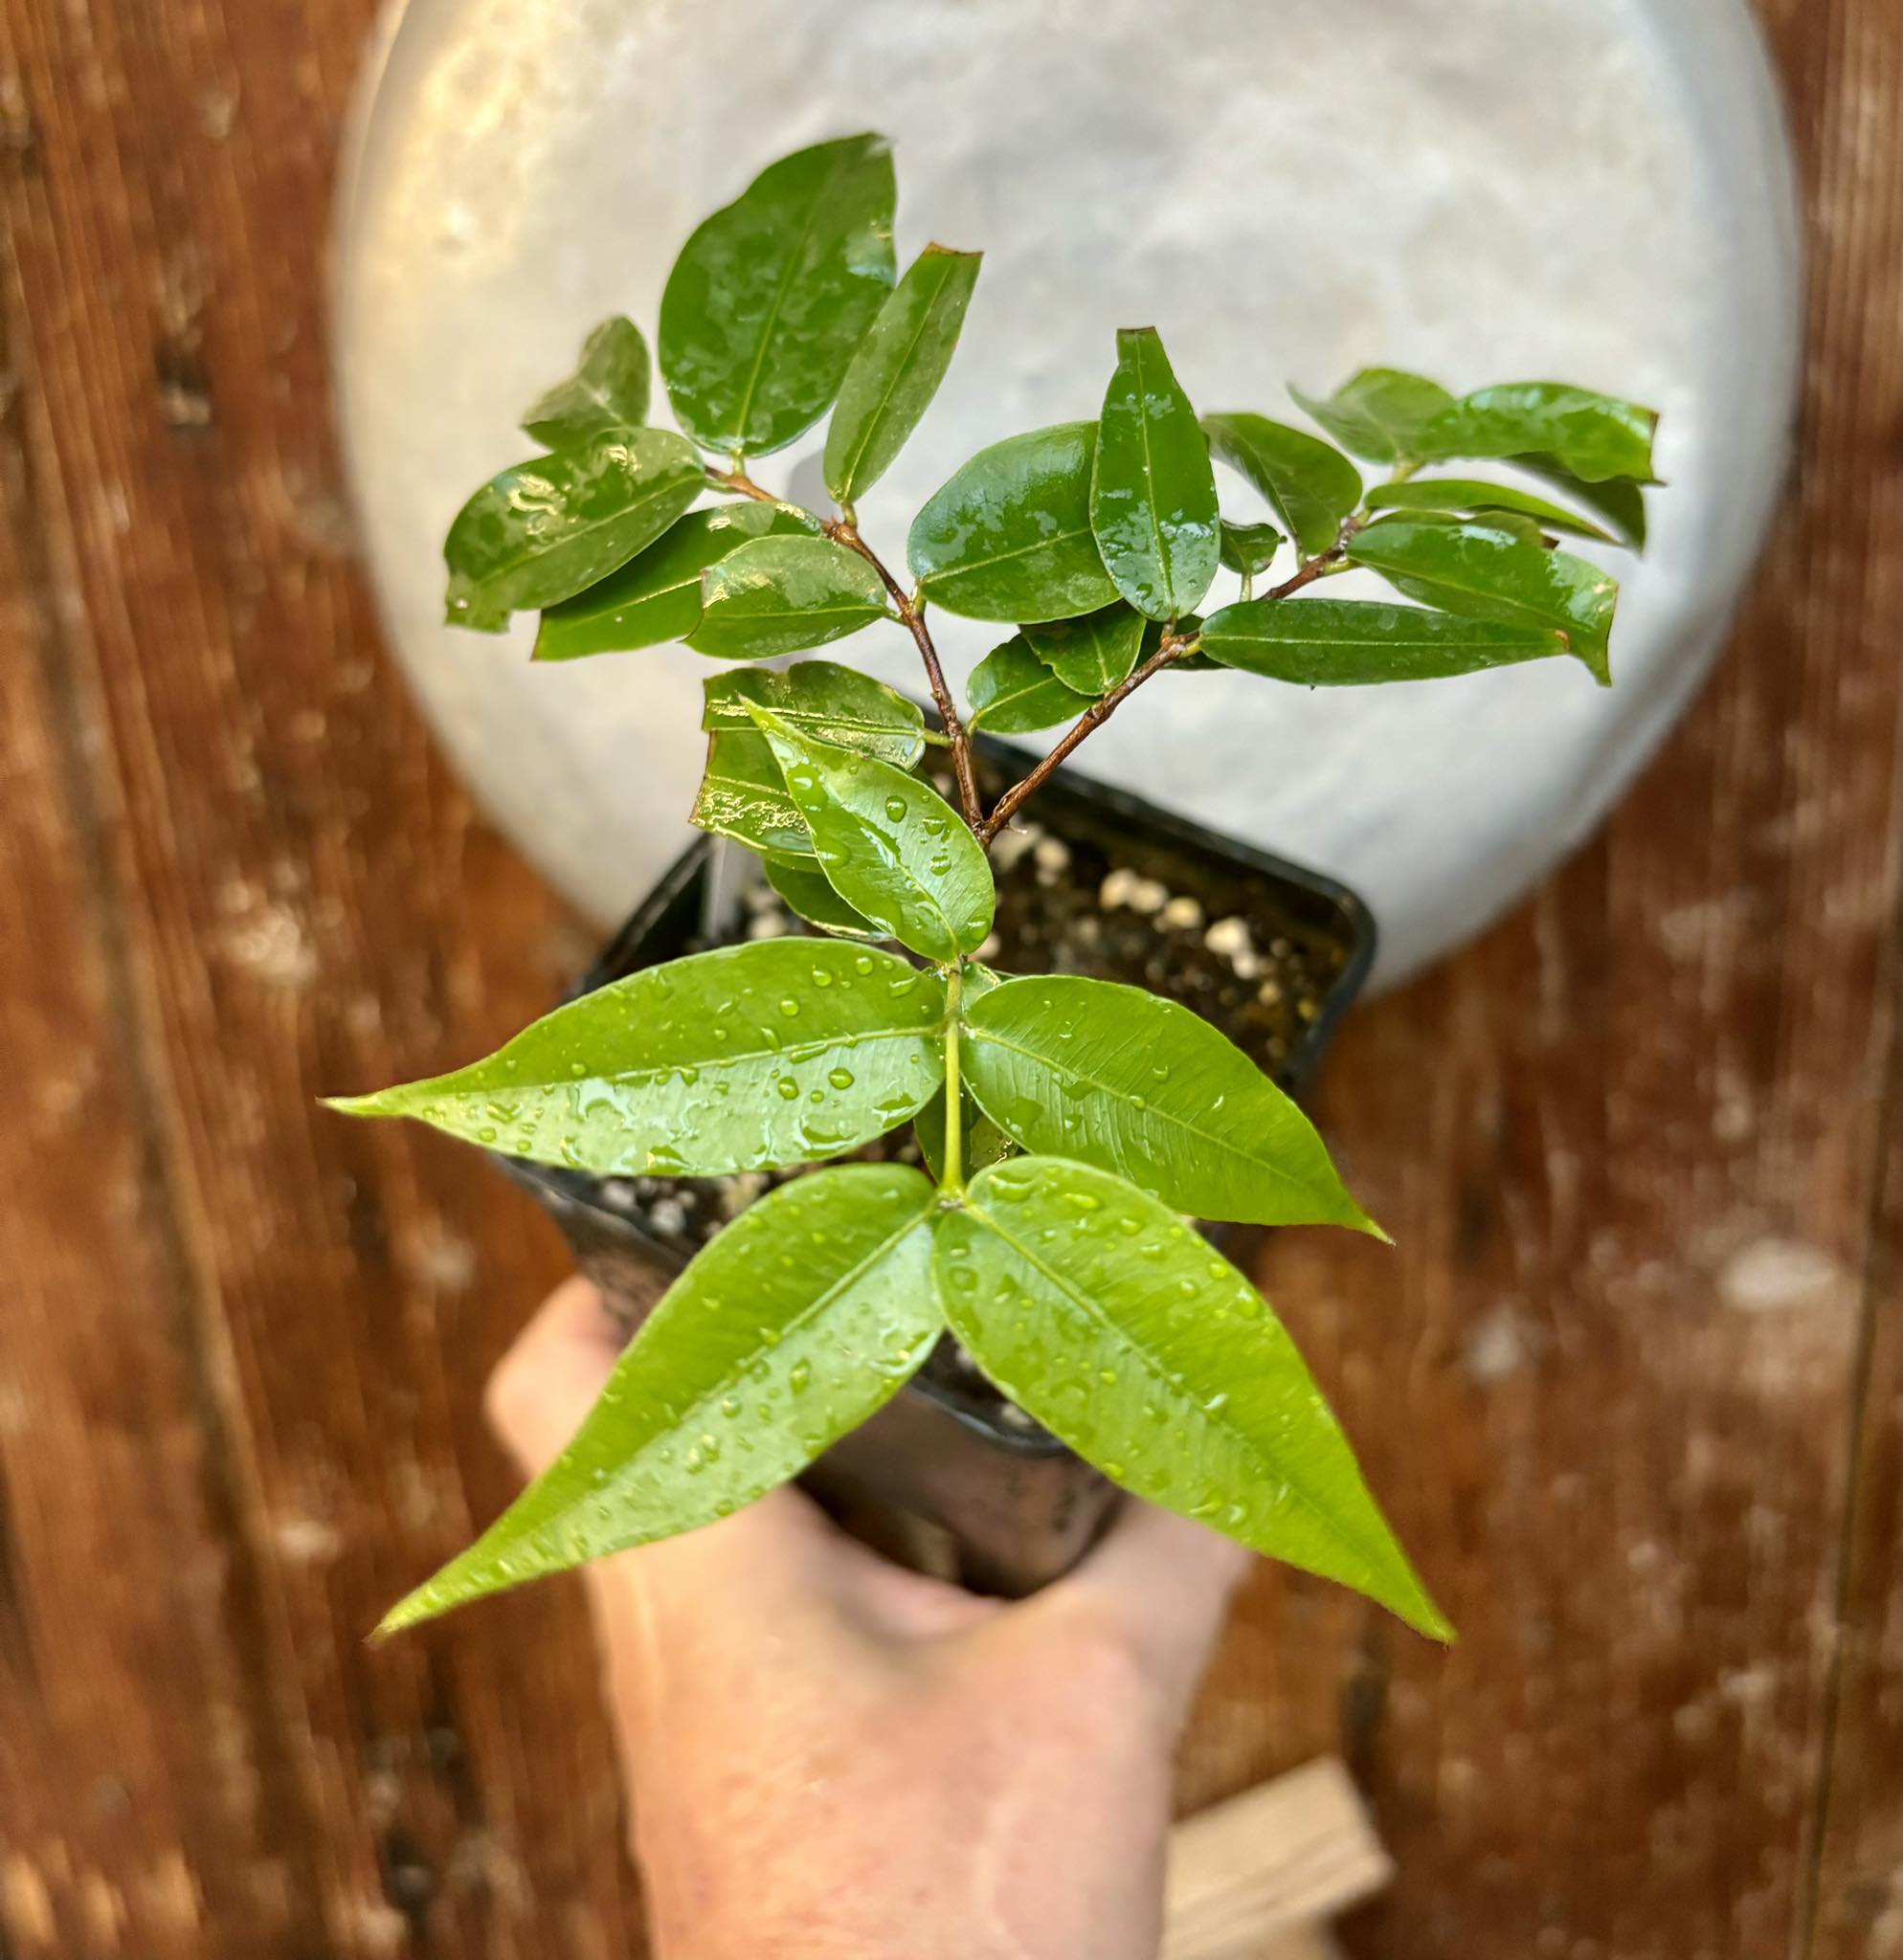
x=948, y=1477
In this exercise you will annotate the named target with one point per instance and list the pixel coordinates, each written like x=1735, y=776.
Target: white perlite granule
x=1482, y=189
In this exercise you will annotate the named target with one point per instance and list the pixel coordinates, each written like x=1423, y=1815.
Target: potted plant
x=1026, y=1050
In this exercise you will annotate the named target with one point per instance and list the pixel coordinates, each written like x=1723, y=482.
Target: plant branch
x=911, y=616
x=1175, y=646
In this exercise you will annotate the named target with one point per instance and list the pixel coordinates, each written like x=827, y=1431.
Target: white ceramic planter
x=1589, y=190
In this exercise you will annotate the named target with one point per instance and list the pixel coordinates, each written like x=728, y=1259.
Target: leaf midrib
x=1250, y=1448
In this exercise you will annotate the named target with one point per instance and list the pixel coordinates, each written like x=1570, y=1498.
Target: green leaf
x=1011, y=692
x=775, y=1052
x=1009, y=536
x=1136, y=1084
x=897, y=368
x=803, y=888
x=1510, y=523
x=656, y=597
x=1093, y=1306
x=1249, y=548
x=1359, y=643
x=1091, y=655
x=776, y=595
x=1152, y=493
x=1596, y=437
x=888, y=844
x=544, y=530
x=1309, y=484
x=1488, y=574
x=827, y=702
x=771, y=294
x=804, y=1316
x=983, y=1143
x=1379, y=413
x=744, y=796
x=1621, y=503
x=608, y=391
x=1470, y=494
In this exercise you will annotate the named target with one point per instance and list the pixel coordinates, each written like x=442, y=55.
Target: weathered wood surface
x=1631, y=1386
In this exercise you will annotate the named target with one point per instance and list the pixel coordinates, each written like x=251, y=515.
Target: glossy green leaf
x=1621, y=503
x=897, y=368
x=775, y=1052
x=1308, y=483
x=1595, y=436
x=1011, y=692
x=1249, y=548
x=803, y=888
x=1359, y=643
x=544, y=530
x=1468, y=493
x=1510, y=523
x=656, y=596
x=1152, y=493
x=821, y=699
x=889, y=844
x=608, y=391
x=744, y=796
x=1096, y=1308
x=805, y=1315
x=1091, y=655
x=1009, y=536
x=772, y=293
x=1379, y=413
x=1488, y=574
x=1134, y=1083
x=776, y=595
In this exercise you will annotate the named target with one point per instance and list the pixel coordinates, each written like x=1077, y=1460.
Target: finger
x=1166, y=1582
x=543, y=1387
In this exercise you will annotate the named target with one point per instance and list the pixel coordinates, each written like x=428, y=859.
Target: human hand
x=830, y=1756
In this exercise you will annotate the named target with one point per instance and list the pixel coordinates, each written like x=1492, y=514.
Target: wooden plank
x=1626, y=1144
x=1265, y=1871
x=299, y=900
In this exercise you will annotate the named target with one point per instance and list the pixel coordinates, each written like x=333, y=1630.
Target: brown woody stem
x=843, y=531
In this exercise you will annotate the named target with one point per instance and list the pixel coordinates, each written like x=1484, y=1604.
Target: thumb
x=543, y=1387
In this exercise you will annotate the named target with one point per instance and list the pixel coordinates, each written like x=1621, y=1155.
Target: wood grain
x=1630, y=1386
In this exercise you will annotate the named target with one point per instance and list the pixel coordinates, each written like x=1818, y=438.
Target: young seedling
x=1108, y=1118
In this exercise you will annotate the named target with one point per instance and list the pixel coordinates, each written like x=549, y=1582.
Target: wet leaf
x=656, y=597
x=1308, y=483
x=544, y=530
x=744, y=796
x=776, y=1052
x=897, y=368
x=1249, y=548
x=1595, y=436
x=1359, y=643
x=1009, y=536
x=1096, y=1308
x=889, y=844
x=1136, y=1084
x=1471, y=496
x=803, y=888
x=608, y=391
x=1621, y=504
x=1152, y=493
x=1379, y=413
x=776, y=595
x=984, y=1143
x=772, y=293
x=1091, y=655
x=1011, y=692
x=805, y=1315
x=1489, y=574
x=821, y=699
